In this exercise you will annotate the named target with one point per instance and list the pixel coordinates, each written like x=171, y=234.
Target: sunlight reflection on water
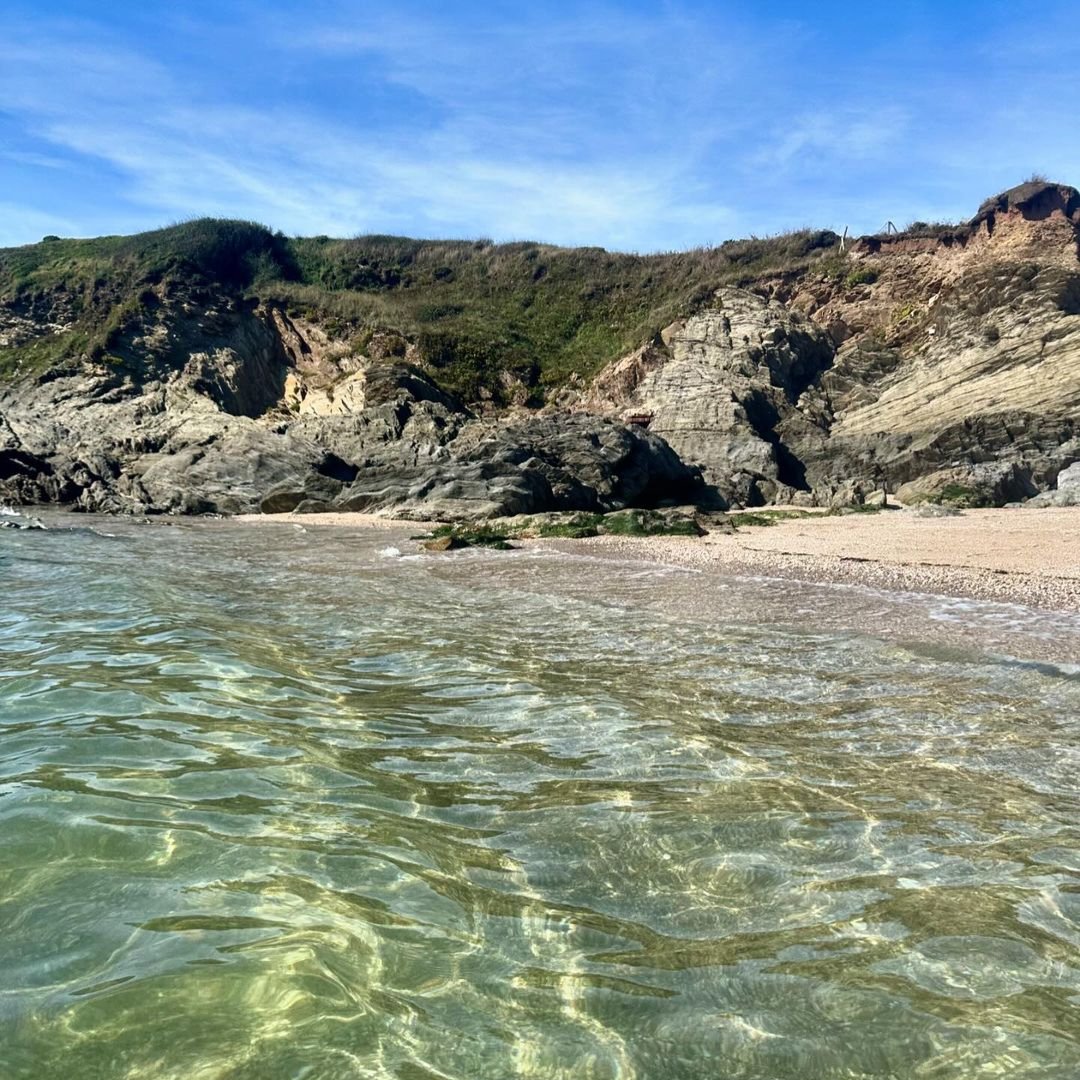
x=278, y=804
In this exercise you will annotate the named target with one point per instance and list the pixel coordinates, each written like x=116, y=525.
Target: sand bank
x=1022, y=556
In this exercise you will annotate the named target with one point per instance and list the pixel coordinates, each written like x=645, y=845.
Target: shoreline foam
x=1023, y=556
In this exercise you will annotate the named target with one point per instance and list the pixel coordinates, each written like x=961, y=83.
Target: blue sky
x=635, y=126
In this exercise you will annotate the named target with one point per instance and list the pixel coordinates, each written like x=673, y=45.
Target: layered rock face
x=938, y=360
x=933, y=353
x=964, y=353
x=717, y=385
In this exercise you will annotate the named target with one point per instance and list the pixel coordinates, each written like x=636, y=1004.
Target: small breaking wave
x=10, y=518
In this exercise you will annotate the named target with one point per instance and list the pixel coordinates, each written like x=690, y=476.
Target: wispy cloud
x=36, y=160
x=851, y=134
x=548, y=172
x=633, y=127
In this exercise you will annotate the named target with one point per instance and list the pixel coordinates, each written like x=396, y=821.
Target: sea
x=287, y=802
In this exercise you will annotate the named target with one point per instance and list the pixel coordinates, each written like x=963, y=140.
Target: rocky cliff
x=931, y=352
x=232, y=407
x=223, y=369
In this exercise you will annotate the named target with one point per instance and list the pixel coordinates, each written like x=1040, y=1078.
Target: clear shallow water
x=275, y=804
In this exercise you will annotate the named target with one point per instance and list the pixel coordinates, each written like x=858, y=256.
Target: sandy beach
x=1024, y=556
x=1021, y=556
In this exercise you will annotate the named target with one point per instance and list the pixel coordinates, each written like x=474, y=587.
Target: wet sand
x=354, y=521
x=1023, y=556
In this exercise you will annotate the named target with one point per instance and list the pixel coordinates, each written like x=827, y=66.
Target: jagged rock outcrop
x=168, y=432
x=589, y=463
x=1066, y=490
x=966, y=352
x=534, y=465
x=717, y=387
x=987, y=484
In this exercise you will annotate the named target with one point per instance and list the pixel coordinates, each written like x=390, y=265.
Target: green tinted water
x=276, y=805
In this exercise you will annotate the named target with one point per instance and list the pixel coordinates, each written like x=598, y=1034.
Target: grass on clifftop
x=505, y=321
x=205, y=251
x=537, y=313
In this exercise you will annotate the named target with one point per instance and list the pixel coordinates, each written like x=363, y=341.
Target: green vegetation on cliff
x=89, y=290
x=485, y=316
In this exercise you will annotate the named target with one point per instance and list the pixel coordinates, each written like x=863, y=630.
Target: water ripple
x=275, y=804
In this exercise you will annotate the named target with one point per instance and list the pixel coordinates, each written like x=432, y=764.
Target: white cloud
x=631, y=130
x=866, y=133
x=307, y=174
x=34, y=159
